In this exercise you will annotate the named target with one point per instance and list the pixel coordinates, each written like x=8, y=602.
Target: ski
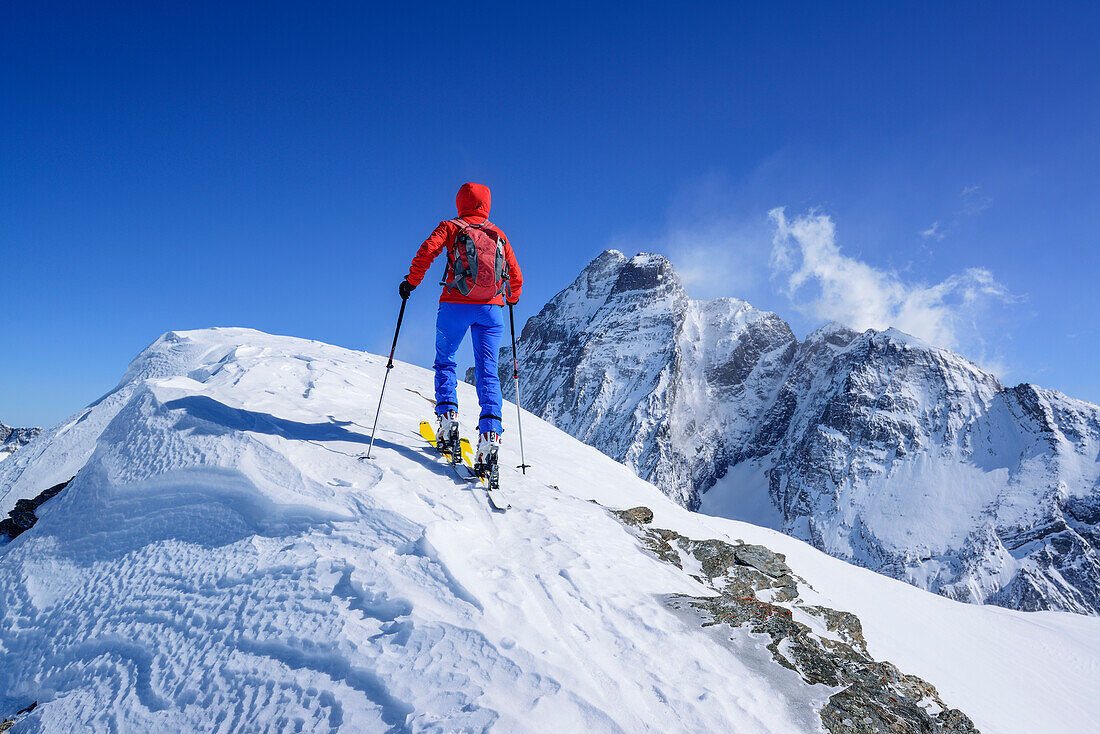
x=465, y=459
x=428, y=433
x=490, y=481
x=496, y=498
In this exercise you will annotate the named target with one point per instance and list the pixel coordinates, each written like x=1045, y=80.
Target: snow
x=223, y=561
x=743, y=493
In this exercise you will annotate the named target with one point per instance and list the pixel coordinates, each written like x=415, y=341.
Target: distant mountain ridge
x=876, y=447
x=12, y=439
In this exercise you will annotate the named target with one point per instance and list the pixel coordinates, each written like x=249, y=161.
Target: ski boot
x=485, y=462
x=447, y=440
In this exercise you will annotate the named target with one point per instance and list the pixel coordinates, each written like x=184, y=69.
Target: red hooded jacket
x=473, y=202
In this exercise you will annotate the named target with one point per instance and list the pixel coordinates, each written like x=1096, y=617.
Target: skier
x=481, y=272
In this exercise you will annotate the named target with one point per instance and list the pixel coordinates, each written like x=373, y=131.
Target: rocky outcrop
x=22, y=517
x=755, y=591
x=876, y=447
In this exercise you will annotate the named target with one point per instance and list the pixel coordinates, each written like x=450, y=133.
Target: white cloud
x=825, y=283
x=721, y=258
x=935, y=232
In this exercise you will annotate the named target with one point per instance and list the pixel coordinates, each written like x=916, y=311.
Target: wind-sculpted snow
x=223, y=562
x=875, y=447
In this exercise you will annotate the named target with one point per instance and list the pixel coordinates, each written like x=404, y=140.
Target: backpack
x=475, y=262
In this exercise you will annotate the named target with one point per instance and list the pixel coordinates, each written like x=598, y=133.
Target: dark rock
x=762, y=559
x=22, y=517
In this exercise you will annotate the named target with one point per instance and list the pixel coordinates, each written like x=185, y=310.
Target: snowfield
x=223, y=562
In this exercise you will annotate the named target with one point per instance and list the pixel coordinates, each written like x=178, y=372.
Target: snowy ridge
x=222, y=561
x=876, y=447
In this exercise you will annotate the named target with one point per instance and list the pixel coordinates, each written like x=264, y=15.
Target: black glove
x=405, y=289
x=512, y=302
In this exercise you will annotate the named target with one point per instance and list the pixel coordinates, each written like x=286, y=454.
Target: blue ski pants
x=485, y=323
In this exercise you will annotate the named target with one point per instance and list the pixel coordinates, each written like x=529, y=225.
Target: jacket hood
x=473, y=200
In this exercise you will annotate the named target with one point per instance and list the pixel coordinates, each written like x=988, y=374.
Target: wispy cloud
x=935, y=232
x=720, y=245
x=715, y=251
x=823, y=282
x=721, y=258
x=972, y=200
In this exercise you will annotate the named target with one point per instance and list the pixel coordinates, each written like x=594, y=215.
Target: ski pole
x=523, y=465
x=389, y=366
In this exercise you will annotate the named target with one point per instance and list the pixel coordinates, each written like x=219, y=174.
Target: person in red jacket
x=481, y=274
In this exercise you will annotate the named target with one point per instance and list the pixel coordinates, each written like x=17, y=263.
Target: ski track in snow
x=224, y=562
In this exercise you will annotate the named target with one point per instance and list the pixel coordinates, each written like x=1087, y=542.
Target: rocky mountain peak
x=646, y=272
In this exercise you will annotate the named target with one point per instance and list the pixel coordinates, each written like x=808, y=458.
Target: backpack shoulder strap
x=464, y=225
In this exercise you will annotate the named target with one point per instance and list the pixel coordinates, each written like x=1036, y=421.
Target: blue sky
x=276, y=165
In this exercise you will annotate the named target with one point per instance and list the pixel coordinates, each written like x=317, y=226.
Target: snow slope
x=223, y=562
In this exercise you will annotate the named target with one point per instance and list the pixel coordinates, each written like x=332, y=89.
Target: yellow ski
x=497, y=501
x=467, y=453
x=428, y=433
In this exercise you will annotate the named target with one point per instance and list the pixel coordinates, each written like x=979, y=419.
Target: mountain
x=875, y=447
x=215, y=556
x=626, y=362
x=12, y=439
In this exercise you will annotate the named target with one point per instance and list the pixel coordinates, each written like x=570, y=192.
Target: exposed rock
x=875, y=697
x=762, y=559
x=636, y=515
x=22, y=517
x=8, y=723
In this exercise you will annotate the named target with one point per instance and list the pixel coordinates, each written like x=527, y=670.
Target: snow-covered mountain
x=217, y=558
x=875, y=447
x=12, y=439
